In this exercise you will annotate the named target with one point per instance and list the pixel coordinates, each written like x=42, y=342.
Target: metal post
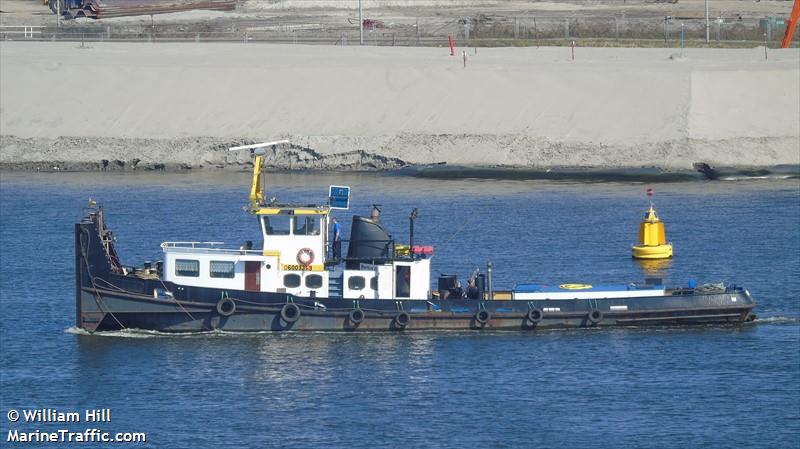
x=682, y=35
x=765, y=46
x=489, y=269
x=708, y=26
x=516, y=28
x=360, y=25
x=58, y=14
x=466, y=32
x=411, y=219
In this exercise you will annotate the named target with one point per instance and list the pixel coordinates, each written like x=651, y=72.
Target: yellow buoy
x=652, y=237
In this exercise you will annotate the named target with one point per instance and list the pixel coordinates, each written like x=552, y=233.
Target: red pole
x=791, y=25
x=452, y=46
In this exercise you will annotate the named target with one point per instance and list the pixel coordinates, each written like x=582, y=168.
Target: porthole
x=313, y=281
x=291, y=280
x=355, y=283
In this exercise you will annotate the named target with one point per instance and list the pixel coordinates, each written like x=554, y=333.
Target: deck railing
x=206, y=248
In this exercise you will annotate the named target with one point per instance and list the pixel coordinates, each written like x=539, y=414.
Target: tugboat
x=295, y=279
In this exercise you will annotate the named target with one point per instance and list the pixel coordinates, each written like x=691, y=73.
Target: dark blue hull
x=106, y=310
x=109, y=297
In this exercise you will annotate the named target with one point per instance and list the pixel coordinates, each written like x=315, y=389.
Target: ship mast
x=258, y=187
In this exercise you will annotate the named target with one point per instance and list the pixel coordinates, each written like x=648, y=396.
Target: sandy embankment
x=365, y=107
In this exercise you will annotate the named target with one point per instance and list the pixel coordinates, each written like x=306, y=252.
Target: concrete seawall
x=173, y=105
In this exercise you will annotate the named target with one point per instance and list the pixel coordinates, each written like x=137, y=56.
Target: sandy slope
x=184, y=103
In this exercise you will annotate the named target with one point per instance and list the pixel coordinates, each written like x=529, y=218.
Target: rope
x=711, y=288
x=379, y=311
x=178, y=303
x=97, y=298
x=115, y=287
x=469, y=220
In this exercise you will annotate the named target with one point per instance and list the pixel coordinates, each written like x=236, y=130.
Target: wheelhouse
x=295, y=257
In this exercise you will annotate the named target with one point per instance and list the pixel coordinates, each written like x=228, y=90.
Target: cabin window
x=313, y=281
x=306, y=225
x=291, y=280
x=222, y=269
x=187, y=268
x=373, y=283
x=356, y=283
x=277, y=224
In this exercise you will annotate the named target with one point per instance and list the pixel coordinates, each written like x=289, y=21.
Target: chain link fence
x=480, y=31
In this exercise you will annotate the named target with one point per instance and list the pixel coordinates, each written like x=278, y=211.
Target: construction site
x=422, y=84
x=408, y=23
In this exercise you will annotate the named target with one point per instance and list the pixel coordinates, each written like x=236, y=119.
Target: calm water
x=661, y=387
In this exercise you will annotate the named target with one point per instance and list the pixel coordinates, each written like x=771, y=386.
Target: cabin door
x=252, y=276
x=402, y=281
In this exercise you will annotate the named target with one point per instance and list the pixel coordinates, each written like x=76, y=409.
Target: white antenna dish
x=258, y=146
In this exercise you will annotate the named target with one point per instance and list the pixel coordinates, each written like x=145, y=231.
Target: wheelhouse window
x=277, y=224
x=187, y=268
x=306, y=225
x=373, y=283
x=356, y=283
x=313, y=281
x=222, y=269
x=291, y=280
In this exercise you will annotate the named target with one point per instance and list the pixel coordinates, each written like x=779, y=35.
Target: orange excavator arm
x=792, y=25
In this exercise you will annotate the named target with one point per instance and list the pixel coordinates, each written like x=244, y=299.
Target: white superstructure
x=292, y=259
x=293, y=255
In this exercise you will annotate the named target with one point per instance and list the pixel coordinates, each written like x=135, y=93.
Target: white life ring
x=305, y=257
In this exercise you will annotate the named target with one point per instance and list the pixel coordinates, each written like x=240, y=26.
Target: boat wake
x=753, y=178
x=777, y=320
x=144, y=333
